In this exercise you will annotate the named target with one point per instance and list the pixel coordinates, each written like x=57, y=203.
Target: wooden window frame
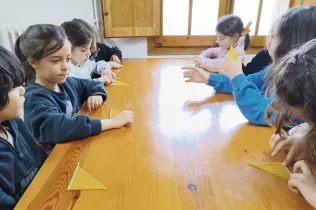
x=191, y=45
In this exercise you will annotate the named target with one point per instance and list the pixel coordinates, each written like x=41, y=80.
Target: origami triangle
x=114, y=113
x=117, y=83
x=274, y=168
x=81, y=180
x=232, y=53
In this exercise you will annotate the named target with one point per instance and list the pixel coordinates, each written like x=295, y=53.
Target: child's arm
x=107, y=52
x=116, y=54
x=6, y=201
x=247, y=92
x=210, y=59
x=223, y=84
x=304, y=183
x=250, y=99
x=87, y=88
x=51, y=126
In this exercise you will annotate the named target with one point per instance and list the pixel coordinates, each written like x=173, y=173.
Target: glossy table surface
x=189, y=148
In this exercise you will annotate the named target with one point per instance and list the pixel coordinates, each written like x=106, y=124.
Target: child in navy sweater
x=52, y=100
x=20, y=155
x=254, y=93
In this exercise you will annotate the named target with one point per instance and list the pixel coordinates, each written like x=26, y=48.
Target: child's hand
x=114, y=65
x=125, y=118
x=298, y=148
x=195, y=74
x=199, y=60
x=232, y=68
x=304, y=183
x=115, y=58
x=94, y=102
x=111, y=75
x=105, y=80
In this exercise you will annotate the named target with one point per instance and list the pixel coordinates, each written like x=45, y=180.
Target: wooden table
x=188, y=149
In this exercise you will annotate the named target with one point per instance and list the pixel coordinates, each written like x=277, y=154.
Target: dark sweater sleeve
x=261, y=60
x=6, y=201
x=106, y=52
x=50, y=126
x=88, y=87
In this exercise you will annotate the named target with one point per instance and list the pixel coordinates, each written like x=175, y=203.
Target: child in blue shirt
x=253, y=93
x=52, y=99
x=20, y=156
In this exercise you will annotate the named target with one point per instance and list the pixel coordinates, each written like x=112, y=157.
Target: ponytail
x=246, y=42
x=30, y=73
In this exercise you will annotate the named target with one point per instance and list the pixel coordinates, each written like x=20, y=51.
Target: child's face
x=15, y=107
x=226, y=41
x=94, y=49
x=81, y=54
x=273, y=41
x=54, y=68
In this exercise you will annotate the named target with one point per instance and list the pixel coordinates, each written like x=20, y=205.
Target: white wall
x=28, y=12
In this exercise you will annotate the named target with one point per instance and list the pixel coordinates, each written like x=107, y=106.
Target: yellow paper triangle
x=274, y=168
x=192, y=62
x=232, y=53
x=114, y=113
x=81, y=180
x=117, y=82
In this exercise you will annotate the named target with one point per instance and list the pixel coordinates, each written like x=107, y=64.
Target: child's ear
x=236, y=37
x=33, y=63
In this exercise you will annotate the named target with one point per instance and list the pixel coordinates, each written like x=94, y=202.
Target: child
x=230, y=31
x=253, y=93
x=295, y=93
x=81, y=66
x=52, y=98
x=20, y=156
x=101, y=52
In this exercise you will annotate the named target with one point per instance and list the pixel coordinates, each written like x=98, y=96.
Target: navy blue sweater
x=18, y=164
x=51, y=116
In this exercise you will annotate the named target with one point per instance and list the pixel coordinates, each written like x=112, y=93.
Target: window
x=188, y=26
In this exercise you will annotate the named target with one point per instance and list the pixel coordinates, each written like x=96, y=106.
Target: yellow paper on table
x=114, y=113
x=192, y=62
x=274, y=168
x=81, y=180
x=117, y=83
x=232, y=53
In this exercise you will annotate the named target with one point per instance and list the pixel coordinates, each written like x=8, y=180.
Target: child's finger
x=92, y=103
x=293, y=183
x=275, y=139
x=297, y=176
x=187, y=68
x=289, y=157
x=303, y=166
x=280, y=146
x=187, y=74
x=89, y=104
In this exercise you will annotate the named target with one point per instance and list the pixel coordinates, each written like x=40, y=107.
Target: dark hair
x=78, y=32
x=295, y=27
x=11, y=75
x=295, y=85
x=229, y=25
x=38, y=42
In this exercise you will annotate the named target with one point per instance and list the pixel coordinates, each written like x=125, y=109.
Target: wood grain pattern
x=126, y=18
x=188, y=149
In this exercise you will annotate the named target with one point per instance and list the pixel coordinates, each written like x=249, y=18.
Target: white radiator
x=9, y=35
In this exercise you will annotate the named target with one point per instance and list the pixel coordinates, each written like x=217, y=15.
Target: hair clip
x=246, y=30
x=291, y=60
